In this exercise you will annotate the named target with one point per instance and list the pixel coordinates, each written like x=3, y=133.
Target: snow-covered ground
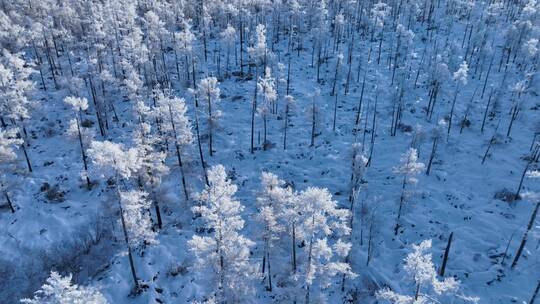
x=79, y=232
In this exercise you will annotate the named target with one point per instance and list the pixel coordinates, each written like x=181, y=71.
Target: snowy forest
x=269, y=151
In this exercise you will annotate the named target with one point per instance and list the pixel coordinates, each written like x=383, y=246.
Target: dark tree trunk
x=8, y=200
x=23, y=146
x=535, y=293
x=203, y=164
x=446, y=253
x=432, y=156
x=525, y=236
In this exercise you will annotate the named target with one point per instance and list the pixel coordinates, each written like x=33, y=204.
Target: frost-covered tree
x=409, y=168
x=379, y=13
x=223, y=256
x=155, y=31
x=15, y=88
x=135, y=206
x=439, y=75
x=184, y=43
x=59, y=290
x=153, y=167
x=282, y=213
x=114, y=160
x=266, y=88
x=460, y=77
x=133, y=84
x=405, y=39
x=9, y=141
x=229, y=37
x=289, y=102
x=428, y=288
x=319, y=32
x=359, y=168
x=78, y=105
x=313, y=111
x=259, y=53
x=271, y=204
x=134, y=51
x=209, y=91
x=320, y=219
x=176, y=126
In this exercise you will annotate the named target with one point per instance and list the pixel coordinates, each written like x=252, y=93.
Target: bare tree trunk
x=200, y=147
x=531, y=301
x=23, y=146
x=401, y=201
x=491, y=141
x=241, y=47
x=515, y=112
x=525, y=236
x=446, y=252
x=178, y=154
x=253, y=110
x=452, y=111
x=486, y=112
x=487, y=75
x=373, y=131
x=505, y=254
x=335, y=113
x=516, y=196
x=8, y=200
x=269, y=270
x=335, y=77
x=370, y=242
x=294, y=248
x=158, y=214
x=432, y=156
x=312, y=144
x=88, y=184
x=126, y=239
x=358, y=111
x=285, y=127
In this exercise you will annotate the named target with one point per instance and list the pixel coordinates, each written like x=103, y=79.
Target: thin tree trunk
x=158, y=214
x=253, y=110
x=200, y=147
x=531, y=301
x=452, y=111
x=357, y=121
x=178, y=154
x=486, y=112
x=525, y=236
x=88, y=184
x=26, y=157
x=505, y=254
x=126, y=238
x=210, y=123
x=335, y=113
x=516, y=196
x=446, y=253
x=294, y=248
x=370, y=241
x=8, y=200
x=285, y=127
x=269, y=270
x=432, y=156
x=313, y=125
